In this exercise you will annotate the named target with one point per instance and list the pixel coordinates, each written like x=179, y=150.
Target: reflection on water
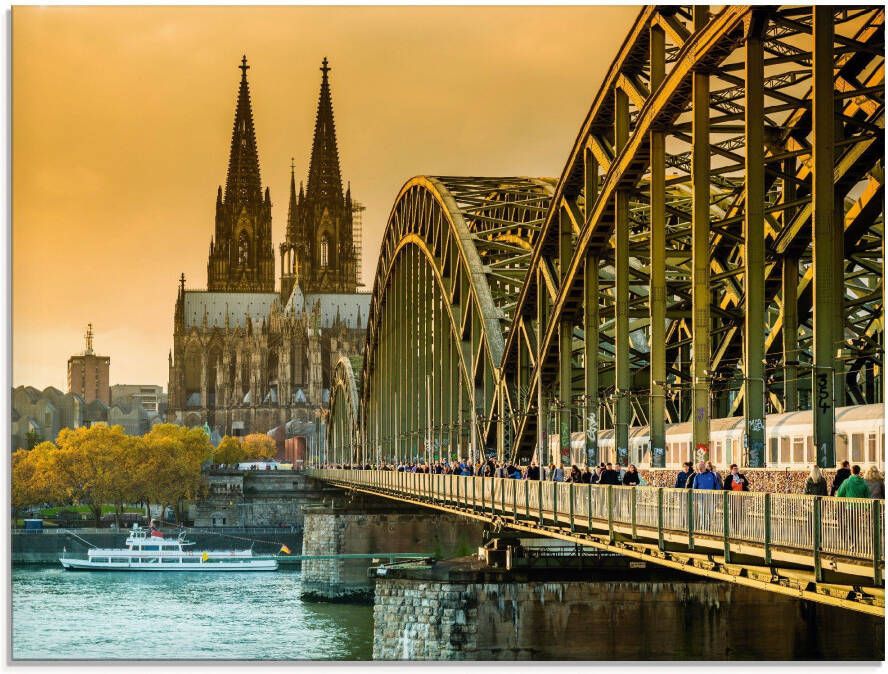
x=59, y=614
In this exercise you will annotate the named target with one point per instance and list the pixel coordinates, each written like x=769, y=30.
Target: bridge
x=712, y=249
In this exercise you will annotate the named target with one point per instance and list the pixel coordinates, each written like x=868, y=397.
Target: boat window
x=150, y=547
x=169, y=560
x=119, y=560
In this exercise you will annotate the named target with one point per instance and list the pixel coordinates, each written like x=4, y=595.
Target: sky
x=121, y=125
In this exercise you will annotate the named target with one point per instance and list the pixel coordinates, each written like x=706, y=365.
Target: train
x=860, y=439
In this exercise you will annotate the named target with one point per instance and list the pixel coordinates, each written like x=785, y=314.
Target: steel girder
x=699, y=115
x=343, y=428
x=454, y=257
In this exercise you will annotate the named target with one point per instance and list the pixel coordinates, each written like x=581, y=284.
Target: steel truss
x=713, y=247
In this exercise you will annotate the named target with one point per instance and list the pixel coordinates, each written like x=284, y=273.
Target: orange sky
x=122, y=120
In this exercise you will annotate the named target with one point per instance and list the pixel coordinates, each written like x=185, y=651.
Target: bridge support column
x=621, y=290
x=657, y=290
x=826, y=236
x=466, y=611
x=701, y=291
x=754, y=259
x=369, y=526
x=789, y=279
x=590, y=356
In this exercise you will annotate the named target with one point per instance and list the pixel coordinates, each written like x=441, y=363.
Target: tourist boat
x=146, y=552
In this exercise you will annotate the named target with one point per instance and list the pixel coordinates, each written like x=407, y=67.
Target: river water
x=65, y=615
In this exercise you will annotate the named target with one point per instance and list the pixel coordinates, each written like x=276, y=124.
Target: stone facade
x=332, y=531
x=247, y=358
x=621, y=620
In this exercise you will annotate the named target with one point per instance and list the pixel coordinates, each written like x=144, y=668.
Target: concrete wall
x=431, y=620
x=333, y=531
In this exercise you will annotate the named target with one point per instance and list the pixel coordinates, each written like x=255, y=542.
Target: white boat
x=145, y=552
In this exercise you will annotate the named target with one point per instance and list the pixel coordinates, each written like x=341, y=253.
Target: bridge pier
x=367, y=525
x=464, y=610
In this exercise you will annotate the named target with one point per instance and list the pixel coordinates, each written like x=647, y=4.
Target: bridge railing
x=846, y=528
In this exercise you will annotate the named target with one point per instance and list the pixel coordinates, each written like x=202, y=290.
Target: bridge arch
x=343, y=431
x=654, y=294
x=453, y=258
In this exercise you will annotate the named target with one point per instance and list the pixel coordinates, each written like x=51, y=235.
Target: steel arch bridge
x=712, y=248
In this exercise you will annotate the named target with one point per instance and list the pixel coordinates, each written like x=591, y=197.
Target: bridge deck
x=828, y=550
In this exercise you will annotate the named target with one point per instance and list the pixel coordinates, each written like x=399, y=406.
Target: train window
x=683, y=448
x=716, y=454
x=798, y=450
x=772, y=458
x=810, y=454
x=871, y=455
x=857, y=447
x=729, y=451
x=841, y=448
x=785, y=444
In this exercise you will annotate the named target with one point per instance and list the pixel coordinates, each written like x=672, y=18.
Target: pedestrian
x=681, y=480
x=533, y=471
x=712, y=469
x=876, y=482
x=815, y=485
x=704, y=478
x=736, y=481
x=558, y=473
x=586, y=477
x=575, y=474
x=842, y=474
x=631, y=478
x=609, y=475
x=855, y=486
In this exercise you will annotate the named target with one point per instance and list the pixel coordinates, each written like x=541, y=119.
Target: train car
x=860, y=439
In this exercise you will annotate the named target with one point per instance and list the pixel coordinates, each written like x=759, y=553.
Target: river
x=63, y=615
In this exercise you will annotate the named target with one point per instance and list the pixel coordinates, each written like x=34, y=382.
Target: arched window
x=243, y=250
x=325, y=251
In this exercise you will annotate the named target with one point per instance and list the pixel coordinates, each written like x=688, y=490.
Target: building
x=246, y=357
x=150, y=396
x=88, y=374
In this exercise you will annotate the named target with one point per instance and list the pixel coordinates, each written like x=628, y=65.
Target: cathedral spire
x=291, y=212
x=243, y=185
x=324, y=180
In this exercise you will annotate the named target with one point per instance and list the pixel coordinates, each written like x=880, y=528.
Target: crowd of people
x=848, y=481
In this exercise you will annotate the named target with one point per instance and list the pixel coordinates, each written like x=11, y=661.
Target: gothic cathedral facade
x=249, y=358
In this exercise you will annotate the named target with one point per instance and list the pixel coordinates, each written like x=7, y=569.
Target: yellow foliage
x=229, y=451
x=259, y=447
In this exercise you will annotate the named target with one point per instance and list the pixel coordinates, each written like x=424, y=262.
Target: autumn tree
x=32, y=478
x=259, y=447
x=230, y=451
x=172, y=460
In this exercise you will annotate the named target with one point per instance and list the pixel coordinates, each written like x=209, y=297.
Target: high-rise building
x=246, y=358
x=88, y=374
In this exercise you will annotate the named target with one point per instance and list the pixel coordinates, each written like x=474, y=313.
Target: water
x=58, y=614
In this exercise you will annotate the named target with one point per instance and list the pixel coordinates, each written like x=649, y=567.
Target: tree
x=91, y=465
x=32, y=476
x=229, y=451
x=172, y=461
x=259, y=447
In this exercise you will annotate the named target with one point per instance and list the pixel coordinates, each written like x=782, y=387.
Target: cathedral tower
x=241, y=254
x=319, y=247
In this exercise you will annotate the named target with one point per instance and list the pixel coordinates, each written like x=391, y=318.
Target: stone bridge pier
x=357, y=524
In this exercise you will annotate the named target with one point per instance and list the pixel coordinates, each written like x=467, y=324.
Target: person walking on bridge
x=815, y=485
x=854, y=487
x=736, y=481
x=703, y=478
x=876, y=482
x=681, y=480
x=842, y=474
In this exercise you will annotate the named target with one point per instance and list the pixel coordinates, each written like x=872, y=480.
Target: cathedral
x=247, y=358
